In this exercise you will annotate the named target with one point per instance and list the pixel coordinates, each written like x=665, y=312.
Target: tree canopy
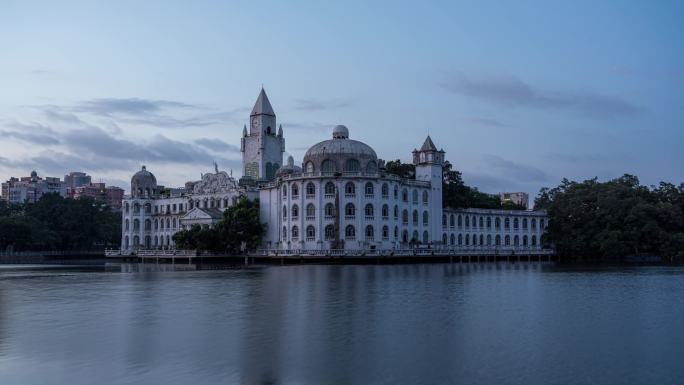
x=614, y=219
x=455, y=193
x=240, y=223
x=57, y=223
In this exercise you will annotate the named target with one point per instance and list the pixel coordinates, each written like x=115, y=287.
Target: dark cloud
x=34, y=133
x=319, y=105
x=217, y=145
x=512, y=170
x=511, y=91
x=61, y=117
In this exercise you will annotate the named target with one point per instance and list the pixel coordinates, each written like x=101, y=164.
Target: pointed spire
x=244, y=130
x=262, y=105
x=428, y=145
x=280, y=130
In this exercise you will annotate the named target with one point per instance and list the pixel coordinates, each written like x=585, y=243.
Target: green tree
x=240, y=223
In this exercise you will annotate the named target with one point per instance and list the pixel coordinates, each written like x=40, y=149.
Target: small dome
x=340, y=132
x=289, y=168
x=143, y=183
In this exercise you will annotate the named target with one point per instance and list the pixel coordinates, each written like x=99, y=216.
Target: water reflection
x=407, y=324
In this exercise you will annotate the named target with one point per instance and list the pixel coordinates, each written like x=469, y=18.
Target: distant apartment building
x=519, y=198
x=30, y=189
x=111, y=195
x=76, y=179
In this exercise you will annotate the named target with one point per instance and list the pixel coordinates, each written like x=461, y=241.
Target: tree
x=240, y=223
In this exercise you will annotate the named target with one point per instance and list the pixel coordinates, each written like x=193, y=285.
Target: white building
x=31, y=188
x=341, y=198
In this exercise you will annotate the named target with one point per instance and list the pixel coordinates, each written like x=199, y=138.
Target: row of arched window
x=350, y=166
x=159, y=241
x=349, y=233
x=481, y=240
x=169, y=223
x=350, y=212
x=482, y=222
x=178, y=207
x=350, y=191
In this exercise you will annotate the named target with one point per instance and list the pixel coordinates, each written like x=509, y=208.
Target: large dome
x=143, y=184
x=340, y=154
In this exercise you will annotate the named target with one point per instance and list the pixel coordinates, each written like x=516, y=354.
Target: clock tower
x=262, y=148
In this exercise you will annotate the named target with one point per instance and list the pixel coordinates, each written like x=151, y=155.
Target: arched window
x=329, y=210
x=295, y=212
x=415, y=217
x=414, y=237
x=126, y=207
x=481, y=222
x=534, y=240
x=309, y=167
x=515, y=223
x=497, y=222
x=385, y=190
x=328, y=166
x=350, y=232
x=295, y=232
x=467, y=239
x=507, y=223
x=385, y=232
x=369, y=211
x=352, y=165
x=404, y=236
x=396, y=192
x=460, y=221
x=481, y=239
x=426, y=237
x=507, y=240
x=370, y=233
x=127, y=225
x=396, y=232
x=136, y=241
x=533, y=223
x=284, y=232
x=136, y=208
x=284, y=214
x=156, y=224
x=349, y=211
x=498, y=240
x=404, y=195
x=148, y=208
x=310, y=211
x=168, y=223
x=404, y=217
x=524, y=240
x=369, y=190
x=524, y=223
x=136, y=224
x=329, y=189
x=541, y=224
x=460, y=239
x=489, y=222
x=425, y=197
x=452, y=239
x=295, y=190
x=161, y=223
x=148, y=225
x=350, y=189
x=415, y=197
x=489, y=240
x=444, y=220
x=474, y=240
x=516, y=241
x=385, y=211
x=310, y=233
x=396, y=212
x=425, y=218
x=444, y=239
x=329, y=232
x=310, y=190
x=371, y=168
x=451, y=220
x=156, y=240
x=467, y=221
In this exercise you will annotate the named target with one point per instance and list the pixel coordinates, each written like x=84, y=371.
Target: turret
x=429, y=163
x=262, y=148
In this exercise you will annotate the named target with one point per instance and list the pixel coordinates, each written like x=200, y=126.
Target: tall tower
x=263, y=145
x=429, y=162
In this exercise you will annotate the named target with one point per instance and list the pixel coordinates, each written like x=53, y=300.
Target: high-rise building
x=31, y=188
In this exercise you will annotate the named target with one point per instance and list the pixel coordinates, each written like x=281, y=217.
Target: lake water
x=400, y=324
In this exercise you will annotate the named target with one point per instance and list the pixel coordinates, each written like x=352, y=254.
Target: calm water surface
x=401, y=324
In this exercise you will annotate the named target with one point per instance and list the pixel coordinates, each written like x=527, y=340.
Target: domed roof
x=143, y=183
x=288, y=168
x=339, y=150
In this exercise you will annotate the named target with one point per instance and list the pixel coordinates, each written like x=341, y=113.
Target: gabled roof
x=262, y=105
x=428, y=145
x=197, y=213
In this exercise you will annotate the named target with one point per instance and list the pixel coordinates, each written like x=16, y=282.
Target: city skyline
x=537, y=93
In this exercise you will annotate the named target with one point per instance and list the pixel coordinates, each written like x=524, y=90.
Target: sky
x=520, y=94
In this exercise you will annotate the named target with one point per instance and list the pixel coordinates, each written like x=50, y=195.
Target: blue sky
x=519, y=94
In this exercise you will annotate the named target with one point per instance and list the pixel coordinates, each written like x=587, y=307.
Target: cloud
x=486, y=122
x=34, y=133
x=130, y=106
x=319, y=105
x=513, y=92
x=217, y=145
x=321, y=127
x=513, y=170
